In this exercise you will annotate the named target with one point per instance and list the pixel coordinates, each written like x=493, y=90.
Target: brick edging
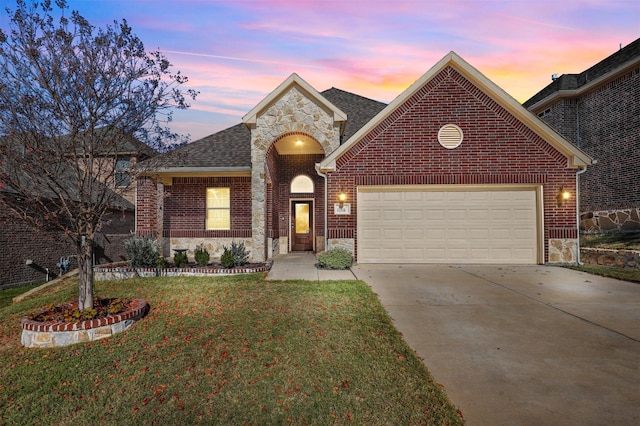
x=139, y=308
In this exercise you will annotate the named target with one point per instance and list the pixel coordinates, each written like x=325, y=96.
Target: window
x=218, y=208
x=302, y=184
x=123, y=178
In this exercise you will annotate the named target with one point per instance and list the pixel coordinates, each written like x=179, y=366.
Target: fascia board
x=198, y=171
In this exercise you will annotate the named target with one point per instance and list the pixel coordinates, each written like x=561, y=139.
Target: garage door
x=452, y=226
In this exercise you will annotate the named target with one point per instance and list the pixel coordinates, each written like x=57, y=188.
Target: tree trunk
x=85, y=277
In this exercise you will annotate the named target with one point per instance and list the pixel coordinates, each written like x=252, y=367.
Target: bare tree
x=71, y=95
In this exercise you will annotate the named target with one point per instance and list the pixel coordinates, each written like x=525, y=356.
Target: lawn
x=224, y=350
x=612, y=240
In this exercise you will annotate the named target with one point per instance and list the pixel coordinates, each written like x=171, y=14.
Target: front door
x=302, y=225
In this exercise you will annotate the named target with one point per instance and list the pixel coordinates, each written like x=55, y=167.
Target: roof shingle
x=231, y=148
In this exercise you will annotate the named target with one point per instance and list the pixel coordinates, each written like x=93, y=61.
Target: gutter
x=578, y=173
x=326, y=206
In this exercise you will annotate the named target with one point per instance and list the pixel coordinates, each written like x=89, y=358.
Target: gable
x=293, y=82
x=454, y=92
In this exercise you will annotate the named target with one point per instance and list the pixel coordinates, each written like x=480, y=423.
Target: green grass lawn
x=632, y=275
x=224, y=350
x=7, y=295
x=613, y=240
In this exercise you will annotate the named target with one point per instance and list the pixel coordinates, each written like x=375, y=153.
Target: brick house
x=598, y=110
x=454, y=170
x=27, y=254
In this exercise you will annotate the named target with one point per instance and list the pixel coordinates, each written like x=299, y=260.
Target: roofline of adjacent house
x=580, y=91
x=576, y=157
x=250, y=118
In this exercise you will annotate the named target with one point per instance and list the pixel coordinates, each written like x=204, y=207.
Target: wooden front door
x=302, y=225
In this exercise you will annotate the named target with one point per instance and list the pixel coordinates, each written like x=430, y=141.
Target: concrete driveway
x=525, y=345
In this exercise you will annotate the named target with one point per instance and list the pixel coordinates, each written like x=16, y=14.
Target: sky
x=235, y=52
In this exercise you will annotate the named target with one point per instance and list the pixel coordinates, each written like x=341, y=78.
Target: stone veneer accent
x=348, y=244
x=292, y=112
x=610, y=220
x=215, y=246
x=47, y=335
x=563, y=250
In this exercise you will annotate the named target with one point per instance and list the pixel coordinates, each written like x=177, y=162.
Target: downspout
x=326, y=206
x=578, y=173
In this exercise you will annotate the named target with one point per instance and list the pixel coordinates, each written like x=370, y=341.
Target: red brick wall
x=290, y=166
x=19, y=242
x=497, y=149
x=146, y=206
x=605, y=123
x=185, y=207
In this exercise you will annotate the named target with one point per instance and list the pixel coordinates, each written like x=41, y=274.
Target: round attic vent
x=450, y=136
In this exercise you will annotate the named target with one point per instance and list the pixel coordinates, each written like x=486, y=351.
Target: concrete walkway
x=301, y=266
x=525, y=345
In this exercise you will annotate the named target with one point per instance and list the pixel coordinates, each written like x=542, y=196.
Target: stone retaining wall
x=615, y=258
x=610, y=220
x=37, y=334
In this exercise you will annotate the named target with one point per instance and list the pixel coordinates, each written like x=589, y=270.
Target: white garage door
x=431, y=226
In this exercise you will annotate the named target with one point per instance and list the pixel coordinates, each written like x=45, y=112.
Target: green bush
x=235, y=255
x=143, y=252
x=180, y=259
x=202, y=255
x=227, y=259
x=336, y=258
x=161, y=263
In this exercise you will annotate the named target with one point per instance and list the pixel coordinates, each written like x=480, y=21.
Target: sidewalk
x=301, y=266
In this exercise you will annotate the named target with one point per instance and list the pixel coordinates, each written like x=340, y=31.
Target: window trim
x=226, y=208
x=122, y=173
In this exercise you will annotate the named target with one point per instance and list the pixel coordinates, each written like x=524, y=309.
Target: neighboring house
x=26, y=255
x=598, y=110
x=453, y=170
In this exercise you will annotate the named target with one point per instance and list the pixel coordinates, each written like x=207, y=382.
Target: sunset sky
x=236, y=52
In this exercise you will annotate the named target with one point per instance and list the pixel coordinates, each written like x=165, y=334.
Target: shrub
x=180, y=259
x=235, y=255
x=336, y=258
x=202, y=255
x=143, y=252
x=227, y=259
x=161, y=263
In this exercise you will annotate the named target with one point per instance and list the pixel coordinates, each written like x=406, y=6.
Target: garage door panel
x=437, y=226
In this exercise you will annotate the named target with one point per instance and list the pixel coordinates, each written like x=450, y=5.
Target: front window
x=123, y=178
x=218, y=209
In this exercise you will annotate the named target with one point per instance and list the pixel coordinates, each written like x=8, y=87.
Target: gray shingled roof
x=231, y=148
x=575, y=81
x=359, y=110
x=228, y=148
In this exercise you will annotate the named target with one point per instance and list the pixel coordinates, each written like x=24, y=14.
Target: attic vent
x=450, y=136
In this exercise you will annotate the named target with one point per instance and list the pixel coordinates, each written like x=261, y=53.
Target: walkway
x=301, y=266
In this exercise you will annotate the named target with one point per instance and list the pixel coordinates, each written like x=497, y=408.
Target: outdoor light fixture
x=563, y=195
x=342, y=197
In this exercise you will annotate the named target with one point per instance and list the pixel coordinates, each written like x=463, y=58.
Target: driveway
x=525, y=345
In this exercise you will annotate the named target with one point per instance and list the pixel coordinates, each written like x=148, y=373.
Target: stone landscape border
x=36, y=334
x=124, y=271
